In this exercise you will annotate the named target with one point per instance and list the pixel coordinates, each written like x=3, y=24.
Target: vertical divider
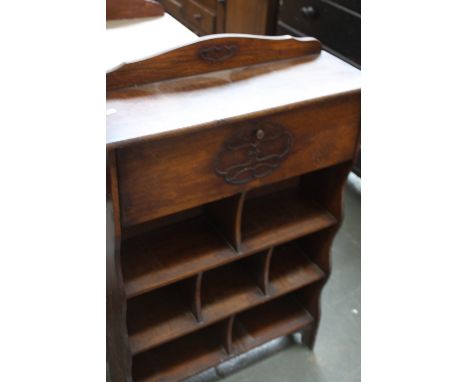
x=226, y=328
x=227, y=216
x=191, y=288
x=259, y=267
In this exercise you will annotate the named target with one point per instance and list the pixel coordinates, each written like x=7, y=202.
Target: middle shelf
x=221, y=232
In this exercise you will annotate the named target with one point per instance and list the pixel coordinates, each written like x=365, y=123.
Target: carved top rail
x=210, y=54
x=129, y=9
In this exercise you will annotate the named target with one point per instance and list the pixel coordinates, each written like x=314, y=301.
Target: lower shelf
x=266, y=322
x=203, y=349
x=164, y=314
x=181, y=358
x=158, y=317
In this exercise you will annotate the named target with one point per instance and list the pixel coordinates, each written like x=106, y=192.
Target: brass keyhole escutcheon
x=260, y=134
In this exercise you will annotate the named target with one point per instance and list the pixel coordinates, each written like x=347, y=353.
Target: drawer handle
x=308, y=11
x=253, y=153
x=197, y=16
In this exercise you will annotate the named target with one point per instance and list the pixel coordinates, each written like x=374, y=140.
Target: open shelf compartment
x=281, y=212
x=160, y=316
x=273, y=319
x=183, y=357
x=190, y=304
x=176, y=247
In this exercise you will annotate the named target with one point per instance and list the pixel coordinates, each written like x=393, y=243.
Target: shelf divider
x=227, y=216
x=191, y=288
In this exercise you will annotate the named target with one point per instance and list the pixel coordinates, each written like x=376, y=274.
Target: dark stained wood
x=232, y=16
x=226, y=215
x=291, y=269
x=169, y=254
x=265, y=322
x=158, y=317
x=118, y=349
x=318, y=246
x=129, y=9
x=247, y=16
x=200, y=18
x=327, y=187
x=280, y=217
x=232, y=288
x=225, y=192
x=173, y=7
x=227, y=290
x=210, y=54
x=191, y=288
x=146, y=183
x=221, y=17
x=259, y=267
x=226, y=330
x=336, y=23
x=181, y=358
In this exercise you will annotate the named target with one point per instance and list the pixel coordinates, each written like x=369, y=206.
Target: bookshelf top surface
x=203, y=100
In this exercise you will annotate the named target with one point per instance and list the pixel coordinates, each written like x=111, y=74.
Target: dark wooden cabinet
x=337, y=24
x=224, y=16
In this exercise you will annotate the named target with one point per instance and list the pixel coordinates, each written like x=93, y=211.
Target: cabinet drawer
x=216, y=162
x=174, y=7
x=336, y=27
x=199, y=17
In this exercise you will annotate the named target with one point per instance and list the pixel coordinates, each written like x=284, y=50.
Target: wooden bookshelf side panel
x=118, y=348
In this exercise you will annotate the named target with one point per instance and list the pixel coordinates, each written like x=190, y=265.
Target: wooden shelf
x=181, y=358
x=291, y=269
x=157, y=317
x=228, y=290
x=202, y=349
x=280, y=217
x=164, y=314
x=231, y=289
x=170, y=254
x=268, y=321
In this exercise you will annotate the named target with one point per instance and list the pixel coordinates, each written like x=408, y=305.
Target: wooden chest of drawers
x=337, y=23
x=225, y=192
x=224, y=16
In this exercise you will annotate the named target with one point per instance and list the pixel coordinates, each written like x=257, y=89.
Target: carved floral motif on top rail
x=217, y=53
x=253, y=153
